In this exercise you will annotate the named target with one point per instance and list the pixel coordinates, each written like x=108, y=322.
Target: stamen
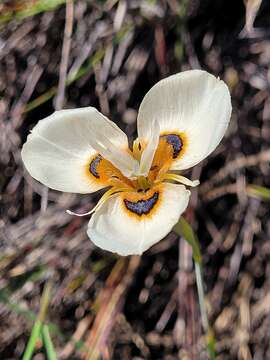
x=119, y=184
x=83, y=214
x=180, y=179
x=108, y=194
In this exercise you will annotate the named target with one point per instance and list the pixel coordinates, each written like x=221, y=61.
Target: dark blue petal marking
x=176, y=142
x=93, y=166
x=142, y=207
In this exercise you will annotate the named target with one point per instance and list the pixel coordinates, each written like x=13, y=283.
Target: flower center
x=143, y=183
x=140, y=196
x=171, y=146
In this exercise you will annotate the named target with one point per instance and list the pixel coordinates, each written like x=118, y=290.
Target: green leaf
x=259, y=192
x=184, y=229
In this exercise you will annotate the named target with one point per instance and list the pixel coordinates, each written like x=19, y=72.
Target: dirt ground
x=101, y=305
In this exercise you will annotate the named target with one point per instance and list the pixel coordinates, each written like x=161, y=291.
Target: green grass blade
x=51, y=354
x=259, y=192
x=25, y=9
x=36, y=330
x=35, y=335
x=31, y=316
x=98, y=56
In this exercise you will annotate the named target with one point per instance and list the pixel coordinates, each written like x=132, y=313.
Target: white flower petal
x=116, y=226
x=58, y=150
x=193, y=103
x=149, y=151
x=112, y=143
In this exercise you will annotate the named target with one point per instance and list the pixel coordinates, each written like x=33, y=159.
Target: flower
x=181, y=120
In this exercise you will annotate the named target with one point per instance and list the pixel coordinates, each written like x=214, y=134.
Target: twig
x=167, y=313
x=185, y=330
x=220, y=191
x=34, y=74
x=232, y=166
x=109, y=303
x=76, y=337
x=60, y=97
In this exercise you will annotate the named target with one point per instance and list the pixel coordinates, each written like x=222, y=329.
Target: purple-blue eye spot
x=142, y=207
x=93, y=166
x=175, y=141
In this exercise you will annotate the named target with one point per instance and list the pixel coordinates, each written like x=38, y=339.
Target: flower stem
x=183, y=228
x=210, y=340
x=199, y=282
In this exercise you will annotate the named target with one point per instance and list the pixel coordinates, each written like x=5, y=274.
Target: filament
x=180, y=179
